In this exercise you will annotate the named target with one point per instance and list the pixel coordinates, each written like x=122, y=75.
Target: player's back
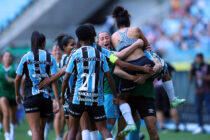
x=89, y=69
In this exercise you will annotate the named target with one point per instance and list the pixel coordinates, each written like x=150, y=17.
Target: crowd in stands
x=187, y=28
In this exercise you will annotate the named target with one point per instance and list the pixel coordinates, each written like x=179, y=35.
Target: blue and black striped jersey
x=89, y=65
x=36, y=68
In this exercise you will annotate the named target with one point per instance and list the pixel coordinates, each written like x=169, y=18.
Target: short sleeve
x=53, y=68
x=71, y=65
x=19, y=70
x=105, y=64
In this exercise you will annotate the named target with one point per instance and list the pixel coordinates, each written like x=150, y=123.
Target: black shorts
x=161, y=100
x=145, y=106
x=96, y=113
x=12, y=102
x=127, y=85
x=38, y=103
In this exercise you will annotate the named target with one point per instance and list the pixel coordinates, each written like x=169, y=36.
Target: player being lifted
x=123, y=38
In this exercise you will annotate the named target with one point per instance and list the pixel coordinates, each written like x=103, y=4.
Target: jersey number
x=84, y=87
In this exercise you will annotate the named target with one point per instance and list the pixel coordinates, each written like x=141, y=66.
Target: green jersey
x=146, y=90
x=107, y=89
x=7, y=89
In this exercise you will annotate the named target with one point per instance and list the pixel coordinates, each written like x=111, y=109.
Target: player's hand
x=56, y=106
x=148, y=69
x=44, y=83
x=10, y=80
x=115, y=100
x=140, y=43
x=19, y=99
x=140, y=79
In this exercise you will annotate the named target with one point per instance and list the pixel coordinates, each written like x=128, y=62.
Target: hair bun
x=119, y=11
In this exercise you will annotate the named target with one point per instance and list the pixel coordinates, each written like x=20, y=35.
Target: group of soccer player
x=91, y=102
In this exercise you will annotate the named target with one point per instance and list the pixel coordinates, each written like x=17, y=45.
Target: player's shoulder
x=135, y=28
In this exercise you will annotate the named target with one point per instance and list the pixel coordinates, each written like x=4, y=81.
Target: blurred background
x=177, y=29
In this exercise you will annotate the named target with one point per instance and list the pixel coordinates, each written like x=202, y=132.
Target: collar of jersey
x=85, y=46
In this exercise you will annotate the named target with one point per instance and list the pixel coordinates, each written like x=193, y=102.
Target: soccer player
x=67, y=44
x=59, y=118
x=111, y=110
x=36, y=65
x=89, y=66
x=8, y=104
x=124, y=37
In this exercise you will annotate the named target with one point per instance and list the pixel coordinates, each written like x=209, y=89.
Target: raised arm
x=146, y=42
x=123, y=54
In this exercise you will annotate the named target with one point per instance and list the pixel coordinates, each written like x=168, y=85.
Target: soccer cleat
x=177, y=102
x=127, y=129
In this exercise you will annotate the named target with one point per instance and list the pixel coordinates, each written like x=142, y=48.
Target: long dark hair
x=121, y=16
x=63, y=40
x=42, y=40
x=35, y=43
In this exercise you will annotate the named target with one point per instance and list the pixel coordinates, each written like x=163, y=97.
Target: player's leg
x=33, y=119
x=75, y=113
x=169, y=88
x=151, y=127
x=85, y=126
x=73, y=127
x=174, y=115
x=127, y=115
x=57, y=124
x=4, y=105
x=93, y=131
x=146, y=108
x=101, y=126
x=42, y=127
x=111, y=110
x=12, y=112
x=66, y=133
x=135, y=135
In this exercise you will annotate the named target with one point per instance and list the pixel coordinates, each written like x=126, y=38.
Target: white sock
x=109, y=139
x=94, y=135
x=86, y=135
x=169, y=88
x=12, y=131
x=126, y=112
x=7, y=136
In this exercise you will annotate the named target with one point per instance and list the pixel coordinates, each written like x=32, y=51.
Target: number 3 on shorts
x=84, y=87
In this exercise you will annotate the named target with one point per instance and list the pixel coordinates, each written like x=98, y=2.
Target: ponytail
x=35, y=43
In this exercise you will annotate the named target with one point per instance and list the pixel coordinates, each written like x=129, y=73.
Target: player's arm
x=191, y=73
x=111, y=83
x=127, y=66
x=53, y=71
x=17, y=88
x=18, y=79
x=69, y=70
x=123, y=54
x=48, y=81
x=64, y=85
x=146, y=46
x=124, y=65
x=122, y=74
